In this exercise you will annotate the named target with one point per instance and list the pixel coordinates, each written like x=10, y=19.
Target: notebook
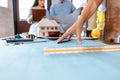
x=38, y=14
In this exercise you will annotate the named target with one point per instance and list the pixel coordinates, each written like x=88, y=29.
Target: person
x=66, y=21
x=77, y=27
x=38, y=4
x=101, y=17
x=61, y=8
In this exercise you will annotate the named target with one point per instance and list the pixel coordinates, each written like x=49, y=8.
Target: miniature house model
x=45, y=26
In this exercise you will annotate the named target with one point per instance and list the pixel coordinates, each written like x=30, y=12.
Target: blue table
x=27, y=62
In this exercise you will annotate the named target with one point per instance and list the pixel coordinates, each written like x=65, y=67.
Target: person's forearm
x=90, y=8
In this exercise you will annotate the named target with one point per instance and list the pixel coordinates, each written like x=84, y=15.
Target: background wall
x=6, y=20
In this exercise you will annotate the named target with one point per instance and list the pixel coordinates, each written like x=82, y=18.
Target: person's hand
x=74, y=29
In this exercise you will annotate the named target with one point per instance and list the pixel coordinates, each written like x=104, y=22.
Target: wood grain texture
x=112, y=28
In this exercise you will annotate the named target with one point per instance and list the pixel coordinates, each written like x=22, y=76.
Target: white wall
x=79, y=3
x=6, y=20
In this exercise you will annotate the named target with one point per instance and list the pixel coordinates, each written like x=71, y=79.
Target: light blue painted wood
x=27, y=62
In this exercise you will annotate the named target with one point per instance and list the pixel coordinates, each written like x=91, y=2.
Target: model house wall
x=45, y=26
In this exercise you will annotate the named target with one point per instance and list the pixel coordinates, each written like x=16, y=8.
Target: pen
x=65, y=40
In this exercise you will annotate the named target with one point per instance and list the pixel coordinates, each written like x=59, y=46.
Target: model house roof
x=47, y=23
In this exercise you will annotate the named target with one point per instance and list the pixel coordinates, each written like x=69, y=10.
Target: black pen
x=65, y=40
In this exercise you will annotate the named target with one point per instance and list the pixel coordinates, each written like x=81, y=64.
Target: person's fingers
x=69, y=37
x=79, y=40
x=78, y=34
x=62, y=37
x=67, y=33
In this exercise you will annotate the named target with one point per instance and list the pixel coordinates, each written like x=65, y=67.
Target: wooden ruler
x=80, y=49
